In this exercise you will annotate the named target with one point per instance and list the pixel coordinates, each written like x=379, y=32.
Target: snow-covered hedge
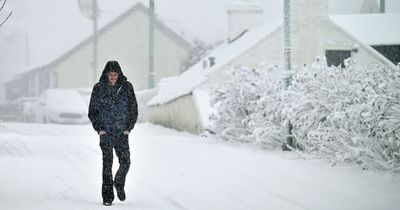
x=249, y=106
x=349, y=113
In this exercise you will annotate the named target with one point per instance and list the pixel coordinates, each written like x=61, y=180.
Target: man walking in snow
x=113, y=113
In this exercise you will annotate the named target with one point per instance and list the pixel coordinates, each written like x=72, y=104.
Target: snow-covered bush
x=349, y=113
x=249, y=106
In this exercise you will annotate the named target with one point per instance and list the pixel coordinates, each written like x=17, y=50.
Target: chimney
x=243, y=15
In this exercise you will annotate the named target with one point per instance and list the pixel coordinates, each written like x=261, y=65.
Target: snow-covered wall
x=180, y=114
x=142, y=98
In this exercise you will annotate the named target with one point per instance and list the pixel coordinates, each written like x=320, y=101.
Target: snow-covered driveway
x=59, y=167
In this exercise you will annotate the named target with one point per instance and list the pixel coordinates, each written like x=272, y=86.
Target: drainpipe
x=94, y=64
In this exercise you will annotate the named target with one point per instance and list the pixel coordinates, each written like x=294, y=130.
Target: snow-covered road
x=59, y=167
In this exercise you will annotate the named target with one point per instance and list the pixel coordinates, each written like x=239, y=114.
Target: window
x=391, y=52
x=336, y=57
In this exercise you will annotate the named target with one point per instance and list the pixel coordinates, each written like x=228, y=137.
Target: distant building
x=183, y=102
x=124, y=39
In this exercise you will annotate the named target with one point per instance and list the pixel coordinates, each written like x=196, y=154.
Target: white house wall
x=126, y=42
x=75, y=71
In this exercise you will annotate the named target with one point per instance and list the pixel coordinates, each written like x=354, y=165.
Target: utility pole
x=94, y=62
x=89, y=9
x=151, y=82
x=287, y=66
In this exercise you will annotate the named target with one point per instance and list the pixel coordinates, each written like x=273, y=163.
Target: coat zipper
x=119, y=89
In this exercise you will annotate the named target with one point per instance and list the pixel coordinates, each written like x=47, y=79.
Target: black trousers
x=120, y=143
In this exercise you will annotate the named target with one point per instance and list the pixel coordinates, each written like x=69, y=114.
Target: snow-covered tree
x=199, y=50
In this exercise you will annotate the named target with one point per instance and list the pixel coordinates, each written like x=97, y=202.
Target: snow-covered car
x=85, y=93
x=61, y=106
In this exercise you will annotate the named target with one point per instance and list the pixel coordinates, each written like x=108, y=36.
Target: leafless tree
x=1, y=8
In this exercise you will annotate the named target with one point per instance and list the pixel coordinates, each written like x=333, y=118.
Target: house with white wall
x=124, y=39
x=183, y=101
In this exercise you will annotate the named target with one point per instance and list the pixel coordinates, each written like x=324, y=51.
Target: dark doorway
x=336, y=57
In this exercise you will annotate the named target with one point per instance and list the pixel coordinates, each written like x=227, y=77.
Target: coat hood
x=115, y=67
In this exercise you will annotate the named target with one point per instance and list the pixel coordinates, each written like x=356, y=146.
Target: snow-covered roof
x=371, y=29
x=172, y=88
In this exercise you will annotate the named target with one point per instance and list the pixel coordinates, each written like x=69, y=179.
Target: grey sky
x=205, y=19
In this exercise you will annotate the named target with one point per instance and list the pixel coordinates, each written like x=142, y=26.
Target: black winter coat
x=113, y=113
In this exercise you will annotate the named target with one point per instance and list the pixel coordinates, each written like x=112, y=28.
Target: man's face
x=112, y=77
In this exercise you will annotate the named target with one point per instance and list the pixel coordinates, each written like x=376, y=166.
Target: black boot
x=120, y=192
x=121, y=195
